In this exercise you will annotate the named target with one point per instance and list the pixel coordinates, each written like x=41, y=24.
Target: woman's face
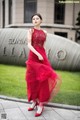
x=36, y=20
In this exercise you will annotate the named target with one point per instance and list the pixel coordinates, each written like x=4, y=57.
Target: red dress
x=42, y=81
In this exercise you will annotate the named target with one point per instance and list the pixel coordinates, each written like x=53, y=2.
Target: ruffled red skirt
x=42, y=81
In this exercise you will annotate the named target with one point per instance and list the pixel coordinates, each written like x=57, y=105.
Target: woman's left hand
x=40, y=57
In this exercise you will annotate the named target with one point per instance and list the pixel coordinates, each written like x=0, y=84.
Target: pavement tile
x=52, y=115
x=65, y=113
x=1, y=107
x=14, y=114
x=1, y=100
x=9, y=104
x=48, y=108
x=77, y=114
x=17, y=110
x=20, y=104
x=30, y=115
x=2, y=111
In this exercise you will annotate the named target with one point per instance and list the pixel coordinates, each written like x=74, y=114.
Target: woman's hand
x=40, y=57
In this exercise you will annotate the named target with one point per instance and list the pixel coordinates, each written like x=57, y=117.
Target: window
x=3, y=10
x=10, y=11
x=30, y=7
x=59, y=12
x=63, y=34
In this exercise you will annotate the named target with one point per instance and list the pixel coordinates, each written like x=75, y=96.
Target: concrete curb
x=62, y=106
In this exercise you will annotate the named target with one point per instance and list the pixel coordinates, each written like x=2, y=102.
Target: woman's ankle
x=40, y=104
x=33, y=104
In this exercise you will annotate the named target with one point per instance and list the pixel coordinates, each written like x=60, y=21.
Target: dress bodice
x=38, y=38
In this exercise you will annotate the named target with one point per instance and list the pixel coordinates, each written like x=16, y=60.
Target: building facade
x=59, y=16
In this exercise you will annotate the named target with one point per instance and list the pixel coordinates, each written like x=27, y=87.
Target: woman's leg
x=33, y=105
x=40, y=109
x=43, y=96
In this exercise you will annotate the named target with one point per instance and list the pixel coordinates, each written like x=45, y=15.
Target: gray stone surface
x=60, y=51
x=65, y=114
x=15, y=114
x=15, y=110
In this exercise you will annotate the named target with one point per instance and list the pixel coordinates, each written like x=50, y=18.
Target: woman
x=41, y=79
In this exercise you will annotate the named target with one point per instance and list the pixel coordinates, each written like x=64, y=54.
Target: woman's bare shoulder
x=31, y=30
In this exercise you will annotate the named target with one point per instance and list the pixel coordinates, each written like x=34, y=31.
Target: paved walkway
x=15, y=109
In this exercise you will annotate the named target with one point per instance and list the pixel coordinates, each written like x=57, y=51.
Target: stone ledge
x=62, y=106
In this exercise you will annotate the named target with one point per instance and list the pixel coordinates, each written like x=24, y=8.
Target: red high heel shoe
x=38, y=114
x=32, y=108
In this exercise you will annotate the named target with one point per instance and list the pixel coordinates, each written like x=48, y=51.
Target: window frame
x=10, y=11
x=29, y=12
x=3, y=13
x=59, y=12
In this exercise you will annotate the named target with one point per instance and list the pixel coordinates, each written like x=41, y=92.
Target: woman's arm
x=29, y=37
